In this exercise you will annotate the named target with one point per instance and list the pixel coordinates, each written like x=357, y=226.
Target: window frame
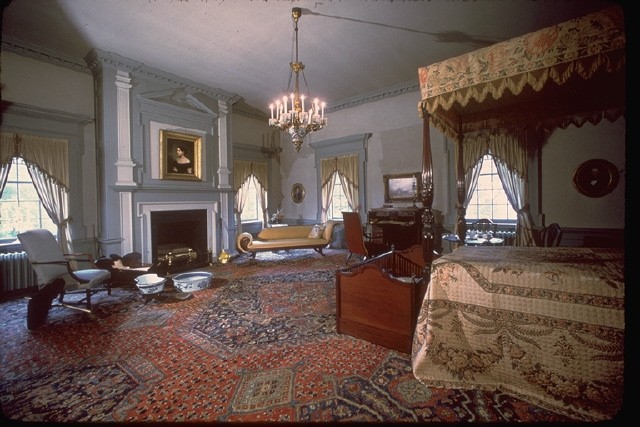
x=348, y=145
x=489, y=162
x=337, y=184
x=252, y=181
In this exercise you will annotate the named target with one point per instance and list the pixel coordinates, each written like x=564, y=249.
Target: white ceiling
x=349, y=47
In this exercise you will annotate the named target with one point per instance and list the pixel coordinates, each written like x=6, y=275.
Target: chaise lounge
x=315, y=237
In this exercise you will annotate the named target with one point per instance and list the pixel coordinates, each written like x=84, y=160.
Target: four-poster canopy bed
x=546, y=324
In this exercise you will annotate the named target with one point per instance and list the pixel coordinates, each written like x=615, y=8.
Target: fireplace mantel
x=144, y=210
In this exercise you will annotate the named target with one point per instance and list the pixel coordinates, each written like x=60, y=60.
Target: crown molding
x=373, y=96
x=37, y=52
x=46, y=113
x=377, y=95
x=96, y=58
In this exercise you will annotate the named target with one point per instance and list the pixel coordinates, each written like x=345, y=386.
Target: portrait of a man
x=596, y=177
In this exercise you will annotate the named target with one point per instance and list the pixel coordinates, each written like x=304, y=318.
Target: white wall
x=562, y=203
x=56, y=89
x=32, y=82
x=395, y=146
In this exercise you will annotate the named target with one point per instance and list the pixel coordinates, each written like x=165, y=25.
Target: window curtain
x=510, y=155
x=5, y=168
x=345, y=167
x=243, y=171
x=472, y=159
x=9, y=149
x=48, y=165
x=263, y=201
x=326, y=191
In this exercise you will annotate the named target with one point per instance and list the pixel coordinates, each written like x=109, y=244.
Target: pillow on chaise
x=316, y=232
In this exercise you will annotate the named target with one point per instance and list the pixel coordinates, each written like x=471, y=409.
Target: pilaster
x=124, y=164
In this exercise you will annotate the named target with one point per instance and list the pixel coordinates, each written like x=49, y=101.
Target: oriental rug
x=259, y=345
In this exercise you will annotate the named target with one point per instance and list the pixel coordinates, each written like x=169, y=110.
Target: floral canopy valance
x=570, y=73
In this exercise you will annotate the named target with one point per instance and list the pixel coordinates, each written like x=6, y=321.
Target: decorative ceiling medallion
x=596, y=177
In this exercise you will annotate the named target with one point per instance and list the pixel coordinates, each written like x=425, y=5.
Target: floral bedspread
x=544, y=324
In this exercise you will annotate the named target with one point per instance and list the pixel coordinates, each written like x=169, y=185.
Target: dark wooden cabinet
x=402, y=227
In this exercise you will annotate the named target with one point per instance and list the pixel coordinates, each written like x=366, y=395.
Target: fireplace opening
x=178, y=234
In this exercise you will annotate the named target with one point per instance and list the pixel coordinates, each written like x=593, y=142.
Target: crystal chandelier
x=288, y=113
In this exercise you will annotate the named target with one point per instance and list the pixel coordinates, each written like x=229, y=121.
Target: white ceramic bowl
x=150, y=283
x=194, y=281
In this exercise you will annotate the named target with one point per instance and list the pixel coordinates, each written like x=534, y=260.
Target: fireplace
x=178, y=232
x=179, y=239
x=177, y=228
x=176, y=225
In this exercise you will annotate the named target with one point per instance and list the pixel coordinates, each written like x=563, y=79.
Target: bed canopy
x=569, y=73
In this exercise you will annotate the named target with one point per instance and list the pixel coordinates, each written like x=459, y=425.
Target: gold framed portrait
x=596, y=178
x=180, y=156
x=297, y=193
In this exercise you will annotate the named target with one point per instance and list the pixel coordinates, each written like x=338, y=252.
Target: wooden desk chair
x=357, y=243
x=551, y=235
x=484, y=225
x=487, y=230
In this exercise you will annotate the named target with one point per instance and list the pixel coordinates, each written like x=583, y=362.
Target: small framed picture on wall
x=180, y=156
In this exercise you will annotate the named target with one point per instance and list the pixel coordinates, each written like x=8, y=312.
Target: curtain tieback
x=65, y=222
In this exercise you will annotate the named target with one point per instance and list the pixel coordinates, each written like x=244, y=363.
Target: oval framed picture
x=297, y=192
x=596, y=177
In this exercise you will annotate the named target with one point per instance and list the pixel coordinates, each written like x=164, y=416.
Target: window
x=252, y=207
x=20, y=206
x=338, y=202
x=489, y=199
x=350, y=148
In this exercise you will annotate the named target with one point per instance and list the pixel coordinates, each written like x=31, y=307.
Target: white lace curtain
x=47, y=161
x=243, y=171
x=346, y=168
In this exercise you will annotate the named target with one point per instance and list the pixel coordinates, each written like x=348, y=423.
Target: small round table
x=451, y=238
x=494, y=241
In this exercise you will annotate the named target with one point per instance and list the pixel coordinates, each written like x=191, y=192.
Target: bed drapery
x=546, y=324
x=510, y=85
x=569, y=73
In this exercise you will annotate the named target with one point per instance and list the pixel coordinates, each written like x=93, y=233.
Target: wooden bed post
x=428, y=218
x=461, y=191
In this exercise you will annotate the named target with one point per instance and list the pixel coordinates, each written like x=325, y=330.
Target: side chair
x=551, y=235
x=485, y=225
x=57, y=276
x=357, y=242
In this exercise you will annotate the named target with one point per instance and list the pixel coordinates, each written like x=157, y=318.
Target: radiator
x=16, y=272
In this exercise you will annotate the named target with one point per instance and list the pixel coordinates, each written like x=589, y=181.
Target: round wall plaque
x=596, y=177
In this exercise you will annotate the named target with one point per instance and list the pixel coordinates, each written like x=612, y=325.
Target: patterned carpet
x=259, y=345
